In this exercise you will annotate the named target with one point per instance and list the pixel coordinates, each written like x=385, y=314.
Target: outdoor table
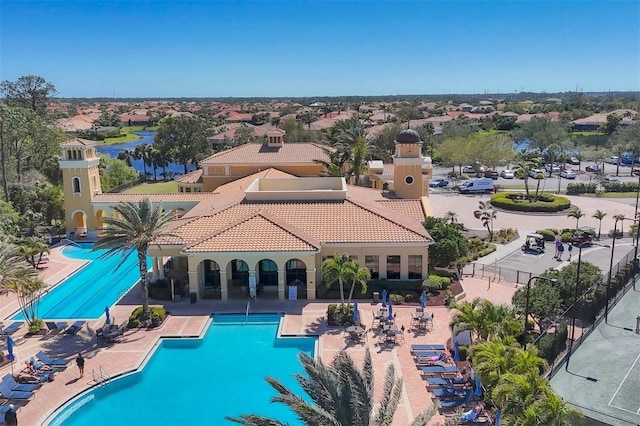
x=356, y=329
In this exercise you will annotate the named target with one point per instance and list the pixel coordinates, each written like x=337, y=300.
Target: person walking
x=570, y=249
x=560, y=250
x=10, y=417
x=80, y=363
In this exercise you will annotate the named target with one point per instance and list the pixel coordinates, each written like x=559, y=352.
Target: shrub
x=550, y=345
x=517, y=201
x=339, y=315
x=548, y=234
x=397, y=299
x=36, y=325
x=157, y=312
x=435, y=283
x=566, y=236
x=581, y=188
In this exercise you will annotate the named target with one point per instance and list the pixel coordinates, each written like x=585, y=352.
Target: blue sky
x=321, y=48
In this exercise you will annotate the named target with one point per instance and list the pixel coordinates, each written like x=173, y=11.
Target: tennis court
x=603, y=377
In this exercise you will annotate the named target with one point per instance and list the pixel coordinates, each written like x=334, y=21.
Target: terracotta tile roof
x=256, y=153
x=192, y=177
x=410, y=208
x=241, y=236
x=242, y=183
x=179, y=197
x=78, y=142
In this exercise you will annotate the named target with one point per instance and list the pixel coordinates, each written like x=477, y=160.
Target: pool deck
x=186, y=319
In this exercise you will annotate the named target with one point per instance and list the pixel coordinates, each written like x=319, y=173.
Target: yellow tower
x=81, y=180
x=407, y=166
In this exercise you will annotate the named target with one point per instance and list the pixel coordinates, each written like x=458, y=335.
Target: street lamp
x=526, y=305
x=575, y=300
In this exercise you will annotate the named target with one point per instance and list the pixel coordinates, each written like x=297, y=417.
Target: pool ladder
x=100, y=376
x=246, y=314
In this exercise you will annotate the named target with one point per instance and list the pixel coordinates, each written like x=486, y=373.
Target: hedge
x=157, y=312
x=517, y=201
x=581, y=188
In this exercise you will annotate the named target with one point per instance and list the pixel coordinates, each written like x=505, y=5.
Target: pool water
x=86, y=293
x=200, y=381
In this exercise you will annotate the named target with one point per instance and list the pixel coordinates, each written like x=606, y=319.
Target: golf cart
x=534, y=244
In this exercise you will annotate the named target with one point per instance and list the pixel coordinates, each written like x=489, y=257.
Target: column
x=281, y=288
x=161, y=268
x=193, y=282
x=311, y=284
x=224, y=285
x=154, y=267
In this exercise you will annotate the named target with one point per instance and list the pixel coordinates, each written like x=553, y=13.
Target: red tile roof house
x=135, y=120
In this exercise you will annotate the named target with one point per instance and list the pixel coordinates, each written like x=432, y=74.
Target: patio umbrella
x=356, y=315
x=478, y=390
x=384, y=298
x=423, y=299
x=106, y=312
x=456, y=352
x=11, y=357
x=390, y=310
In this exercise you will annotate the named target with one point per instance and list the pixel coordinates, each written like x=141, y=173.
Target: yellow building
x=270, y=229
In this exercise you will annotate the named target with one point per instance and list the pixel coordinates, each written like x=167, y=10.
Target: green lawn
x=168, y=187
x=126, y=135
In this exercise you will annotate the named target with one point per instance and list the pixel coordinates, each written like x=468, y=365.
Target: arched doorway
x=267, y=273
x=297, y=276
x=100, y=214
x=211, y=278
x=79, y=220
x=239, y=282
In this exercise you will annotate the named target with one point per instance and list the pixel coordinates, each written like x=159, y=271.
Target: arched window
x=76, y=184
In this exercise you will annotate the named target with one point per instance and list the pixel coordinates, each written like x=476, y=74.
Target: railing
x=100, y=376
x=247, y=311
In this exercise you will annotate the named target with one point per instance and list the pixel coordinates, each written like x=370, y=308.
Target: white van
x=476, y=185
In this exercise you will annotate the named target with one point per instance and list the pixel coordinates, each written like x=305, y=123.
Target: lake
x=146, y=136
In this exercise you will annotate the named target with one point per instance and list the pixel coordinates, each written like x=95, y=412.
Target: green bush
x=548, y=234
x=566, y=236
x=435, y=283
x=581, y=188
x=157, y=312
x=517, y=201
x=550, y=345
x=339, y=314
x=397, y=299
x=620, y=186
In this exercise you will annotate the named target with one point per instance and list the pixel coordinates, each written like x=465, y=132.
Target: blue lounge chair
x=21, y=387
x=427, y=347
x=457, y=402
x=436, y=369
x=56, y=327
x=424, y=354
x=449, y=393
x=51, y=362
x=9, y=394
x=10, y=329
x=439, y=381
x=75, y=328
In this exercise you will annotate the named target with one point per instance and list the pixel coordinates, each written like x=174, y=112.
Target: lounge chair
x=21, y=387
x=449, y=393
x=439, y=381
x=427, y=347
x=431, y=371
x=55, y=327
x=426, y=354
x=75, y=328
x=51, y=361
x=10, y=329
x=7, y=393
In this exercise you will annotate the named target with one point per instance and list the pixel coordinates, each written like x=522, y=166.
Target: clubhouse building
x=260, y=216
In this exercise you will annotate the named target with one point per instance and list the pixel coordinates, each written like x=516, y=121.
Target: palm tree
x=515, y=392
x=137, y=226
x=555, y=411
x=11, y=264
x=337, y=269
x=339, y=394
x=357, y=276
x=32, y=249
x=486, y=214
x=522, y=169
x=28, y=288
x=576, y=214
x=452, y=217
x=127, y=155
x=599, y=214
x=275, y=121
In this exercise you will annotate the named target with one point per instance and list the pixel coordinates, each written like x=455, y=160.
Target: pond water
x=146, y=136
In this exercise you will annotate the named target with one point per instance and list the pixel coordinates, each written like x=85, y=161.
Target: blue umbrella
x=456, y=352
x=108, y=320
x=11, y=357
x=356, y=315
x=390, y=310
x=423, y=299
x=384, y=298
x=496, y=418
x=478, y=391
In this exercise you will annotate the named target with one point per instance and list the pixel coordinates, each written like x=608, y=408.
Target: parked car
x=574, y=161
x=468, y=169
x=507, y=174
x=568, y=174
x=611, y=179
x=535, y=172
x=553, y=168
x=491, y=173
x=583, y=235
x=438, y=183
x=627, y=161
x=476, y=186
x=593, y=168
x=613, y=160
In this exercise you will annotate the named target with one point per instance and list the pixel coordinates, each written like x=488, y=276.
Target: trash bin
x=376, y=297
x=194, y=297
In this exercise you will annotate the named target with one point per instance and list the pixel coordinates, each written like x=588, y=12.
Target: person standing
x=570, y=249
x=80, y=363
x=10, y=417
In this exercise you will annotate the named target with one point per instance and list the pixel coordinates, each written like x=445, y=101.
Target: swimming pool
x=200, y=381
x=86, y=293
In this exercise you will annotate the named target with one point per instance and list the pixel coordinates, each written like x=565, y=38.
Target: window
x=351, y=257
x=415, y=267
x=372, y=263
x=76, y=184
x=393, y=267
x=408, y=180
